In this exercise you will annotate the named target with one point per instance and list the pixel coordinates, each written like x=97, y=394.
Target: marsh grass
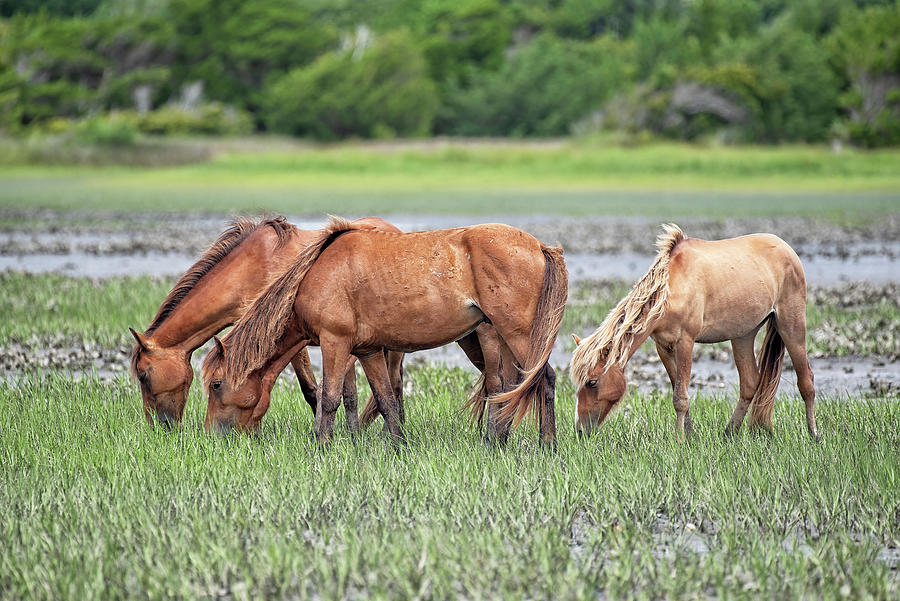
x=41, y=310
x=662, y=180
x=98, y=311
x=98, y=505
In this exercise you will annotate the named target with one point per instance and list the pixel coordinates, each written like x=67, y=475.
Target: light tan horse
x=212, y=295
x=701, y=291
x=359, y=292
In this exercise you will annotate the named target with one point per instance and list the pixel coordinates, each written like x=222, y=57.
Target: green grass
x=96, y=311
x=665, y=180
x=98, y=505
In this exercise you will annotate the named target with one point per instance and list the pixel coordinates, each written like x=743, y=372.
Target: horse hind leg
x=351, y=398
x=791, y=323
x=748, y=372
x=492, y=383
x=395, y=370
x=376, y=370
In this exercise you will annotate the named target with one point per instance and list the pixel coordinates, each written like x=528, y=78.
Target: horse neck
x=639, y=339
x=220, y=296
x=291, y=343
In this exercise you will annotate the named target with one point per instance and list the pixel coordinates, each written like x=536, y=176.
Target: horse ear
x=141, y=340
x=576, y=339
x=219, y=345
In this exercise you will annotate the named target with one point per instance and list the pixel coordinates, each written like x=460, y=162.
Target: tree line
x=760, y=71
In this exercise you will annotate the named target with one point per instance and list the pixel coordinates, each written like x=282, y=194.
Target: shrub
x=106, y=130
x=207, y=119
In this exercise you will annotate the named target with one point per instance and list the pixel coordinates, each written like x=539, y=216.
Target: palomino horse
x=700, y=291
x=212, y=295
x=357, y=292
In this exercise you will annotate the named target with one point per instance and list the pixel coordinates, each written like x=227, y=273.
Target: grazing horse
x=358, y=292
x=211, y=296
x=702, y=291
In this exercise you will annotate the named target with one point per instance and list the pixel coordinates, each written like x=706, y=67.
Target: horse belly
x=416, y=326
x=726, y=317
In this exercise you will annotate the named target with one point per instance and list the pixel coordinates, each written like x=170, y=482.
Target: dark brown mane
x=239, y=230
x=255, y=336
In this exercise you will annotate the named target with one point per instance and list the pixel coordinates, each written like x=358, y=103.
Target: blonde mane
x=646, y=302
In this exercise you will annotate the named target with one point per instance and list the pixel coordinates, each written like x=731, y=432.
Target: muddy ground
x=839, y=260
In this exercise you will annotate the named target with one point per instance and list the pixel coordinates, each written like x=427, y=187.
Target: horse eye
x=592, y=383
x=216, y=384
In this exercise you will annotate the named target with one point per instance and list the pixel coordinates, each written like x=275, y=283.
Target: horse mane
x=254, y=338
x=212, y=358
x=630, y=318
x=238, y=231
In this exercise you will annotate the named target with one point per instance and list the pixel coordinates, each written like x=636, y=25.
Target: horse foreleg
x=376, y=370
x=684, y=350
x=748, y=372
x=335, y=355
x=306, y=378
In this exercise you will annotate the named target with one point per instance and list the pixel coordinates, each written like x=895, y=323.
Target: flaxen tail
x=770, y=360
x=547, y=321
x=255, y=336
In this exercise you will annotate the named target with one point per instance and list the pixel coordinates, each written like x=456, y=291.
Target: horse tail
x=477, y=402
x=369, y=413
x=771, y=356
x=255, y=336
x=547, y=321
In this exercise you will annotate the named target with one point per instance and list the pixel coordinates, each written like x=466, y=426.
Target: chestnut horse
x=212, y=295
x=700, y=291
x=358, y=292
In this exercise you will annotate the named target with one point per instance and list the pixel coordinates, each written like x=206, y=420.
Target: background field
x=479, y=178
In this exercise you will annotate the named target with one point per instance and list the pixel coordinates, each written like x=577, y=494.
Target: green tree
x=234, y=47
x=380, y=91
x=541, y=90
x=865, y=49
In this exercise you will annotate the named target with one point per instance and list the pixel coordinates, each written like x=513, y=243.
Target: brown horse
x=358, y=292
x=700, y=291
x=212, y=295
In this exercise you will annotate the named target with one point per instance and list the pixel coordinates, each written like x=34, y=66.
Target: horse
x=357, y=292
x=212, y=295
x=703, y=291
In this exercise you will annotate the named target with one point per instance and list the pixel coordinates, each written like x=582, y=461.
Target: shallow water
x=820, y=270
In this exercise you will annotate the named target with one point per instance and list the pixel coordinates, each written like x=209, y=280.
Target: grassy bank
x=105, y=507
x=484, y=178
